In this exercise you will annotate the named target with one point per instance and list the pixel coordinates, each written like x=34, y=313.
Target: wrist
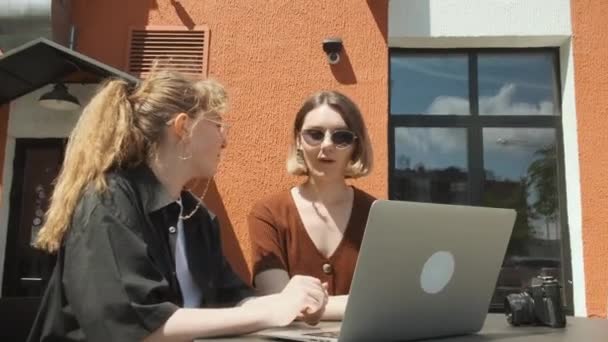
x=262, y=310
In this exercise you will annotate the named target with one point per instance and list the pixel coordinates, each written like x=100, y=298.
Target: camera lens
x=519, y=309
x=333, y=57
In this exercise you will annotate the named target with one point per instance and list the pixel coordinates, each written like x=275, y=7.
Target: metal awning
x=41, y=61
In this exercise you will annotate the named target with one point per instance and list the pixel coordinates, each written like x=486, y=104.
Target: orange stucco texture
x=591, y=79
x=269, y=56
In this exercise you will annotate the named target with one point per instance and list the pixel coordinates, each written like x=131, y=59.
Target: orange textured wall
x=269, y=55
x=591, y=75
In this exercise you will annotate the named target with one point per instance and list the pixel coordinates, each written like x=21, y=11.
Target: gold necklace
x=198, y=204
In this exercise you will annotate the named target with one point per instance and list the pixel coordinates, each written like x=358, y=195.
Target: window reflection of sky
x=507, y=152
x=508, y=84
x=435, y=84
x=417, y=82
x=509, y=159
x=433, y=148
x=530, y=74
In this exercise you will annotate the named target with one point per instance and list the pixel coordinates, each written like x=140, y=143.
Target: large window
x=483, y=127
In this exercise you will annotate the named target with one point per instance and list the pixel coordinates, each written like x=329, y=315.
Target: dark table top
x=496, y=328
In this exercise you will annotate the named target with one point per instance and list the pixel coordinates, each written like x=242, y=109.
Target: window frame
x=474, y=123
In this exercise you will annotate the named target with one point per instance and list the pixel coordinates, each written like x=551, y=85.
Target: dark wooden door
x=26, y=269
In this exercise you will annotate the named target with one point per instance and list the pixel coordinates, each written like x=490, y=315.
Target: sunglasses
x=340, y=138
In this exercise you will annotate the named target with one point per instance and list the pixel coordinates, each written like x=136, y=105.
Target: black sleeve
x=232, y=289
x=113, y=287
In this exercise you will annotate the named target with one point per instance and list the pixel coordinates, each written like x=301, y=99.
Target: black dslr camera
x=540, y=304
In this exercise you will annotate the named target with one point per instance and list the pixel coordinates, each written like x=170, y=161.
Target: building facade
x=496, y=103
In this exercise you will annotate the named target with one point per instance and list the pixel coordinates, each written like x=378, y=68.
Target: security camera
x=332, y=47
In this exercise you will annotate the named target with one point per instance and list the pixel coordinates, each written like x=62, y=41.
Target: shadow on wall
x=343, y=70
x=183, y=15
x=106, y=43
x=230, y=243
x=379, y=9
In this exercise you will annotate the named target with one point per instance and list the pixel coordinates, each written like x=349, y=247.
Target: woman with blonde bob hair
x=139, y=257
x=316, y=228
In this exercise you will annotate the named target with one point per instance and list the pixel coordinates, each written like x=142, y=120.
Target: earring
x=300, y=156
x=182, y=155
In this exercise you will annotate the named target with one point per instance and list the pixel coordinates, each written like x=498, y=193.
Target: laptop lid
x=425, y=270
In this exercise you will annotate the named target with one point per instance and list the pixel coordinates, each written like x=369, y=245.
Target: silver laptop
x=423, y=271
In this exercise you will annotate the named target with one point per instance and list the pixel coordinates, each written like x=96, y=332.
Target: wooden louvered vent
x=178, y=48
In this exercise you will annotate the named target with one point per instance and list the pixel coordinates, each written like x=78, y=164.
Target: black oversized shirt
x=115, y=274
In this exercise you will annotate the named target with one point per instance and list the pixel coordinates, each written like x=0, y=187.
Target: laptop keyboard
x=329, y=334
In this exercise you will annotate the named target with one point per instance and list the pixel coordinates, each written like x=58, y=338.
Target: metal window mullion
x=475, y=137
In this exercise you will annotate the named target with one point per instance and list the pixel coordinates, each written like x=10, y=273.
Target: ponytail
x=95, y=145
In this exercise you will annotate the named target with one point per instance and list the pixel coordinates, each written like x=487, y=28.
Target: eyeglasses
x=222, y=126
x=341, y=138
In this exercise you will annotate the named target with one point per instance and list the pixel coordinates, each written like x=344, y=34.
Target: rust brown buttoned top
x=280, y=241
